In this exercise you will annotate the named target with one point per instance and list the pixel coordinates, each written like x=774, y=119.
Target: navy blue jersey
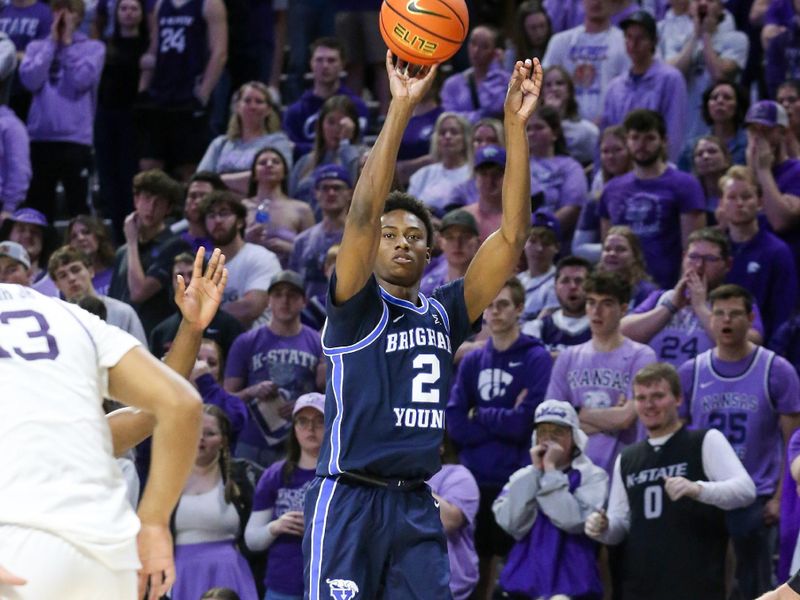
x=389, y=369
x=182, y=52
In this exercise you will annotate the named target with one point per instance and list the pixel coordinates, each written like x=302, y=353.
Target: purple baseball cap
x=490, y=155
x=29, y=215
x=544, y=218
x=311, y=400
x=767, y=112
x=332, y=172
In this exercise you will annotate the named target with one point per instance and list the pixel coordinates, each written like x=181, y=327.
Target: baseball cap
x=16, y=252
x=332, y=172
x=29, y=215
x=293, y=278
x=643, y=18
x=544, y=218
x=560, y=413
x=767, y=112
x=459, y=217
x=490, y=155
x=310, y=400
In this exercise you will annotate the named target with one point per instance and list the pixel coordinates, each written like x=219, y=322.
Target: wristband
x=670, y=307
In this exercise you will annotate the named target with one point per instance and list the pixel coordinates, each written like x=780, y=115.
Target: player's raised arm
x=356, y=259
x=498, y=256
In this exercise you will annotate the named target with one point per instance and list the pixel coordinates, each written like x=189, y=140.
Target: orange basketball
x=424, y=32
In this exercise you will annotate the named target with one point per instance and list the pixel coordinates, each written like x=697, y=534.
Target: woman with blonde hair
x=622, y=254
x=254, y=124
x=451, y=147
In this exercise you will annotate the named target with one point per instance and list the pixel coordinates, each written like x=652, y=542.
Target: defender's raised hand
x=199, y=301
x=409, y=81
x=524, y=88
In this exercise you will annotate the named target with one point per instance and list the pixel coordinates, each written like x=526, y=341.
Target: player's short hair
x=712, y=236
x=516, y=289
x=608, y=284
x=659, y=371
x=327, y=42
x=398, y=200
x=572, y=261
x=740, y=173
x=207, y=177
x=158, y=183
x=223, y=198
x=64, y=256
x=642, y=120
x=94, y=305
x=729, y=291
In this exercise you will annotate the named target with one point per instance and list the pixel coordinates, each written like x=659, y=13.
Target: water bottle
x=262, y=213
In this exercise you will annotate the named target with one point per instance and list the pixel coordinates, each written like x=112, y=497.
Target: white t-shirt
x=252, y=268
x=58, y=473
x=434, y=183
x=593, y=60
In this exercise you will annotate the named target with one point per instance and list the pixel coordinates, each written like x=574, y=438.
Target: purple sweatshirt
x=64, y=81
x=494, y=442
x=790, y=510
x=233, y=406
x=457, y=97
x=15, y=160
x=661, y=88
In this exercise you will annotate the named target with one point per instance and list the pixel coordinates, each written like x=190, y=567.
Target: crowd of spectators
x=657, y=295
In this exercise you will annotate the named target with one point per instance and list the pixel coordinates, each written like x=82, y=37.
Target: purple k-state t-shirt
x=744, y=399
x=24, y=25
x=285, y=565
x=652, y=208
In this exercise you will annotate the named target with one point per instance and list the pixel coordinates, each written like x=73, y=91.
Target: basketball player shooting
x=66, y=528
x=372, y=526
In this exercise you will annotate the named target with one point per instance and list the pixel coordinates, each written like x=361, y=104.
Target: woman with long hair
x=451, y=148
x=90, y=236
x=711, y=160
x=615, y=160
x=211, y=515
x=530, y=35
x=486, y=131
x=336, y=136
x=622, y=254
x=581, y=135
x=283, y=217
x=276, y=524
x=254, y=124
x=557, y=178
x=724, y=107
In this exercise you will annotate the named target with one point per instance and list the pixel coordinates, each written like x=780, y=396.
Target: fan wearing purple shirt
x=676, y=322
x=753, y=397
x=490, y=414
x=789, y=520
x=762, y=262
x=595, y=377
x=650, y=83
x=776, y=173
x=662, y=205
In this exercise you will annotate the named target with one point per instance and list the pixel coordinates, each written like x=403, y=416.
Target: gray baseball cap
x=16, y=252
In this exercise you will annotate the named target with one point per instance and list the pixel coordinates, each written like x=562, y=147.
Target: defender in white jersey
x=66, y=528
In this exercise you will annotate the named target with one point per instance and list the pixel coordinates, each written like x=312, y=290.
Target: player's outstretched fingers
x=213, y=263
x=197, y=266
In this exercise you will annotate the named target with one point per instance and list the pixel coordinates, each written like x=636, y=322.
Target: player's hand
x=772, y=511
x=407, y=81
x=158, y=566
x=524, y=88
x=199, y=301
x=291, y=523
x=8, y=578
x=596, y=524
x=678, y=487
x=537, y=456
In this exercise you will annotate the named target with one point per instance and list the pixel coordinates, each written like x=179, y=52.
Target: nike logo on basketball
x=413, y=8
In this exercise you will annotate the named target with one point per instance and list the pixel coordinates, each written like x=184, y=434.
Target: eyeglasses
x=705, y=258
x=306, y=423
x=224, y=214
x=730, y=314
x=331, y=187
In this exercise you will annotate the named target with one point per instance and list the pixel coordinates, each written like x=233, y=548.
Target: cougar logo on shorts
x=342, y=589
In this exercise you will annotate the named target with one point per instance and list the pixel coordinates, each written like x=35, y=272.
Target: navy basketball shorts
x=361, y=540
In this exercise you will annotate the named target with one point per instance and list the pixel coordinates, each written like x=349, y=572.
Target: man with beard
x=192, y=227
x=568, y=324
x=250, y=266
x=659, y=203
x=143, y=265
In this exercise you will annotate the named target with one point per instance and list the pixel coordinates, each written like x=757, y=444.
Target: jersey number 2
x=429, y=364
x=31, y=353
